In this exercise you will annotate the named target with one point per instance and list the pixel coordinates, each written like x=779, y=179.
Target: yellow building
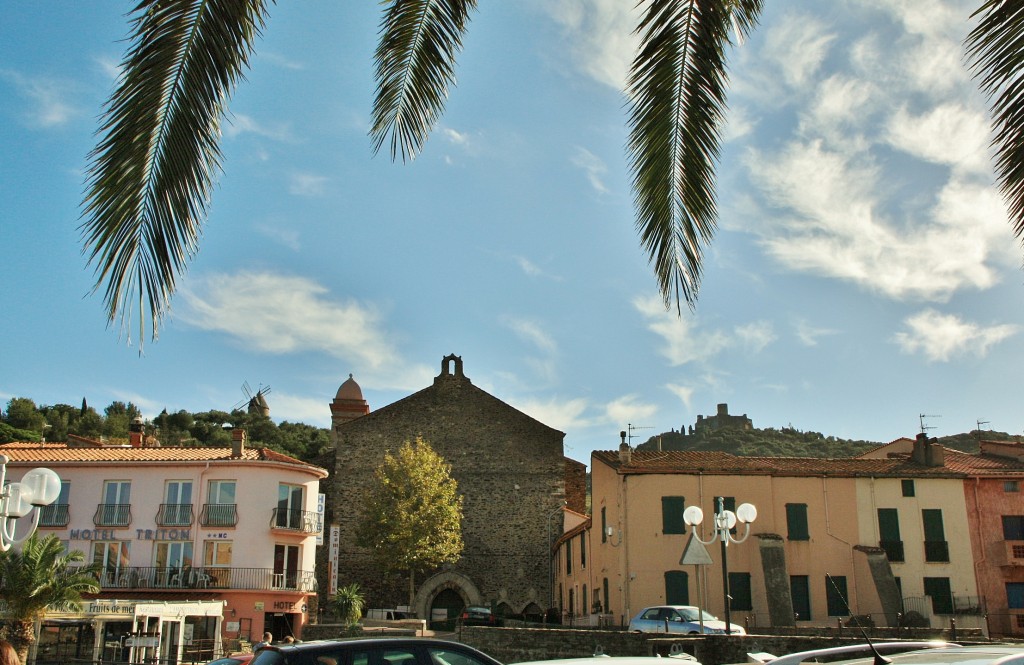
x=815, y=554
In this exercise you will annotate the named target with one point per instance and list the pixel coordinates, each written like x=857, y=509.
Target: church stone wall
x=510, y=470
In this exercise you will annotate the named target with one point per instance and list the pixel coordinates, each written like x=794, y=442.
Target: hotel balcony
x=152, y=578
x=55, y=514
x=113, y=514
x=301, y=521
x=219, y=514
x=175, y=514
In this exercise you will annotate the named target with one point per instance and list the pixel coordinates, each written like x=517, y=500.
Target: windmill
x=256, y=402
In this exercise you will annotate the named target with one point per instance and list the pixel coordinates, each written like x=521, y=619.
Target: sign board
x=333, y=552
x=321, y=505
x=695, y=554
x=140, y=641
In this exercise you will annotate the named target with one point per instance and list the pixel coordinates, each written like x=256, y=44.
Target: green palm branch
x=677, y=104
x=156, y=162
x=38, y=577
x=995, y=50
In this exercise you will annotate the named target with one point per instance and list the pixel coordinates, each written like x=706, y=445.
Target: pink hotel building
x=235, y=529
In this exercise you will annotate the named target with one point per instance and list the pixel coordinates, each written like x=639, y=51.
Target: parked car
x=233, y=659
x=685, y=619
x=477, y=615
x=934, y=653
x=375, y=651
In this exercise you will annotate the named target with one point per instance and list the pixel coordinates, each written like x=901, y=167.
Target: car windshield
x=692, y=614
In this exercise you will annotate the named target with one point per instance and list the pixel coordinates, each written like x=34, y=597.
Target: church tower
x=348, y=405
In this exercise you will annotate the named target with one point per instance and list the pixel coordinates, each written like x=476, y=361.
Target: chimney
x=135, y=432
x=625, y=452
x=927, y=452
x=238, y=439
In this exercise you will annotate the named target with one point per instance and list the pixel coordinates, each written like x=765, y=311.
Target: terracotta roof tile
x=56, y=453
x=958, y=465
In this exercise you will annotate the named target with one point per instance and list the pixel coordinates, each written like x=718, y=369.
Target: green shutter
x=836, y=596
x=677, y=588
x=942, y=597
x=888, y=524
x=800, y=590
x=933, y=531
x=796, y=521
x=739, y=589
x=672, y=514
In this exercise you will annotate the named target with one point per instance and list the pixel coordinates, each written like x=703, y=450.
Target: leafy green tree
x=412, y=519
x=23, y=414
x=348, y=604
x=88, y=424
x=9, y=434
x=38, y=576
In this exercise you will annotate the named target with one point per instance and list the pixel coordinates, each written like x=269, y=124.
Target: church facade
x=510, y=469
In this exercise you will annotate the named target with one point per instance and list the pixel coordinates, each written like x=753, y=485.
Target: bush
x=914, y=619
x=860, y=621
x=348, y=604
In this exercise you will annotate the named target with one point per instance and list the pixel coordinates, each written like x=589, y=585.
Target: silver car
x=938, y=654
x=685, y=619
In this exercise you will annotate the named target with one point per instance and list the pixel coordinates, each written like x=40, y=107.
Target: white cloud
x=564, y=415
x=239, y=123
x=685, y=343
x=684, y=393
x=756, y=336
x=279, y=314
x=948, y=134
x=628, y=409
x=279, y=233
x=593, y=166
x=798, y=45
x=941, y=337
x=808, y=334
x=599, y=35
x=307, y=184
x=530, y=331
x=49, y=108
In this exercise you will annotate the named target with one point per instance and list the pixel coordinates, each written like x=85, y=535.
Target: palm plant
x=37, y=577
x=151, y=174
x=348, y=604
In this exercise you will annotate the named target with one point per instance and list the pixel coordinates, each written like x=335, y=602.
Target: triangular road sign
x=695, y=554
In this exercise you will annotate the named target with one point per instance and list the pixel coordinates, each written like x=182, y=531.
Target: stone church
x=510, y=469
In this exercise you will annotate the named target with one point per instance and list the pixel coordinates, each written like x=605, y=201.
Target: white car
x=684, y=619
x=933, y=654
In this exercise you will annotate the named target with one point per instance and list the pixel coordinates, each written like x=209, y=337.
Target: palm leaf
x=150, y=176
x=677, y=104
x=415, y=61
x=995, y=49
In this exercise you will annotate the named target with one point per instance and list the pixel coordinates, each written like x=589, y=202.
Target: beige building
x=815, y=553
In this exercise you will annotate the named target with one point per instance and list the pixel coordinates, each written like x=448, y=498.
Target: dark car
x=386, y=651
x=477, y=615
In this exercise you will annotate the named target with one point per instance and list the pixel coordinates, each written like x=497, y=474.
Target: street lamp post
x=39, y=487
x=725, y=520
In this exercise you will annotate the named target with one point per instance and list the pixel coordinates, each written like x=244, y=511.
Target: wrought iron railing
x=219, y=514
x=936, y=551
x=893, y=549
x=171, y=578
x=174, y=514
x=296, y=520
x=55, y=514
x=113, y=514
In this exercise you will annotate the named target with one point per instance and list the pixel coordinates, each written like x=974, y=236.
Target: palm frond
x=677, y=103
x=415, y=61
x=150, y=176
x=995, y=50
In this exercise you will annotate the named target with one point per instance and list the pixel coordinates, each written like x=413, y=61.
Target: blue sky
x=863, y=273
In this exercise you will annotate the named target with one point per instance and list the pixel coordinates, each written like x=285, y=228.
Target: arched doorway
x=445, y=609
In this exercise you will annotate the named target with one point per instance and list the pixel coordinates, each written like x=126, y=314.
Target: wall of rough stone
x=510, y=470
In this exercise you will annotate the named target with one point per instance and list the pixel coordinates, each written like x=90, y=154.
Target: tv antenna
x=983, y=422
x=630, y=427
x=925, y=428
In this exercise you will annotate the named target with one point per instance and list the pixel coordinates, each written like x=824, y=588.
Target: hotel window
x=286, y=566
x=116, y=507
x=1013, y=527
x=908, y=486
x=796, y=521
x=672, y=514
x=941, y=595
x=290, y=506
x=889, y=534
x=1015, y=595
x=217, y=562
x=176, y=510
x=113, y=560
x=583, y=551
x=173, y=561
x=220, y=509
x=56, y=514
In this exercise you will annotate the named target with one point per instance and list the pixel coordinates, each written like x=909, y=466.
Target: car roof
x=614, y=660
x=906, y=652
x=369, y=642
